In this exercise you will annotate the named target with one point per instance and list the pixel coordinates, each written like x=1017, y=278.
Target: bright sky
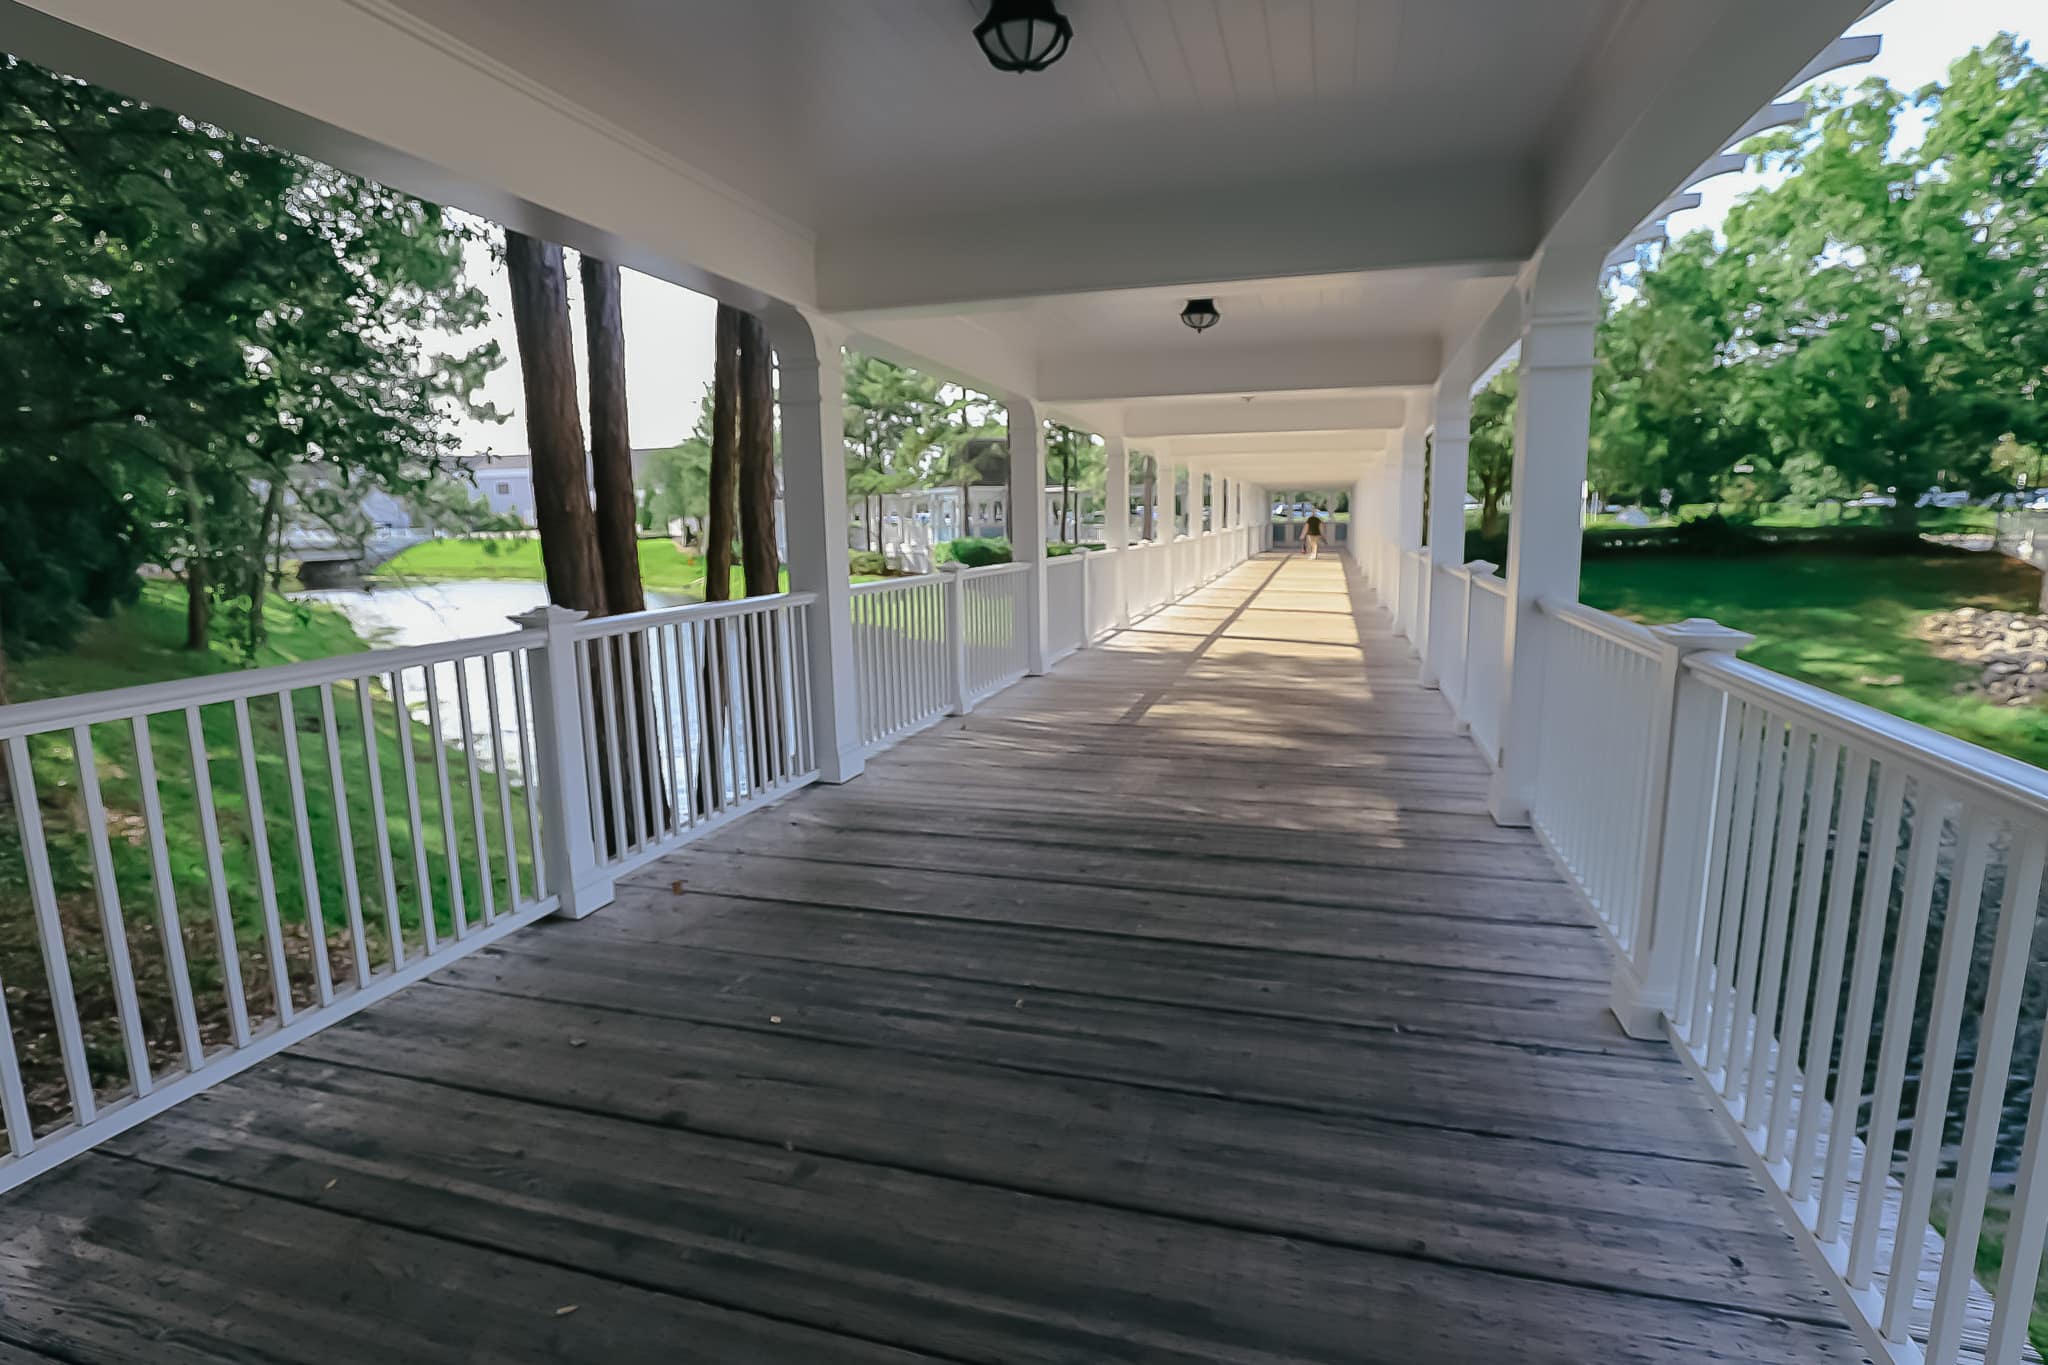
x=668, y=328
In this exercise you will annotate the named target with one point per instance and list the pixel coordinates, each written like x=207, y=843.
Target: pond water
x=430, y=613
x=435, y=613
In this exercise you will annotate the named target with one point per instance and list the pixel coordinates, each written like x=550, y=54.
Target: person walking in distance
x=1312, y=535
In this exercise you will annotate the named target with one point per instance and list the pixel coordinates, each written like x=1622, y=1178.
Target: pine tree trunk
x=611, y=446
x=725, y=455
x=259, y=577
x=198, y=605
x=758, y=556
x=554, y=427
x=1151, y=500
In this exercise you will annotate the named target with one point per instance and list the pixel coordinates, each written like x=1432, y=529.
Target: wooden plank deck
x=1183, y=1006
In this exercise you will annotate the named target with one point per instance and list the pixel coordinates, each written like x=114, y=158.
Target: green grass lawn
x=141, y=644
x=663, y=567
x=1848, y=623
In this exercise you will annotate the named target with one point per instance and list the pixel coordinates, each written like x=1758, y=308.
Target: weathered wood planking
x=1183, y=1006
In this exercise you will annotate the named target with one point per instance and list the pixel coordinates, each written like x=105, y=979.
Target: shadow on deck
x=1185, y=1006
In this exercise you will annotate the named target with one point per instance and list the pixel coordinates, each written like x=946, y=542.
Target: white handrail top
x=989, y=570
x=120, y=703
x=1055, y=561
x=1628, y=634
x=1962, y=767
x=689, y=611
x=1486, y=582
x=881, y=585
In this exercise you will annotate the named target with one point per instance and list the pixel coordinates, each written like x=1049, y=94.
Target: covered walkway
x=1183, y=1006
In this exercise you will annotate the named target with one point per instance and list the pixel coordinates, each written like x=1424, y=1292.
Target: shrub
x=872, y=562
x=976, y=552
x=1718, y=537
x=1057, y=548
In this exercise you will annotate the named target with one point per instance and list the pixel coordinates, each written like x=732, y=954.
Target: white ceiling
x=845, y=112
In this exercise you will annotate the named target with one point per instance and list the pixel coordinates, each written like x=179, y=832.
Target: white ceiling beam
x=367, y=87
x=971, y=352
x=1425, y=216
x=1266, y=414
x=1204, y=365
x=1275, y=445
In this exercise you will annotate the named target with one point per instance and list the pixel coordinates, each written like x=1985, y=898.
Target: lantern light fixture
x=1023, y=35
x=1201, y=314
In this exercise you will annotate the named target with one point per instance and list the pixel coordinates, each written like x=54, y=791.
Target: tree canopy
x=193, y=324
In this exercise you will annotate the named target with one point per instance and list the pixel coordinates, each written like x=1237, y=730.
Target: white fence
x=217, y=868
x=1836, y=911
x=934, y=645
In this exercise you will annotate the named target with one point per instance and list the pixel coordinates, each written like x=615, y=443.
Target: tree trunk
x=758, y=556
x=725, y=455
x=611, y=446
x=259, y=577
x=554, y=427
x=1151, y=499
x=198, y=583
x=198, y=606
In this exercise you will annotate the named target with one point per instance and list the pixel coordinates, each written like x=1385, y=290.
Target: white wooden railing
x=1832, y=912
x=934, y=645
x=219, y=867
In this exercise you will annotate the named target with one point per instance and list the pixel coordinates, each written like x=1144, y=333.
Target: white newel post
x=811, y=371
x=1553, y=420
x=1027, y=523
x=581, y=881
x=956, y=635
x=1116, y=524
x=1478, y=568
x=1407, y=514
x=1449, y=458
x=1684, y=752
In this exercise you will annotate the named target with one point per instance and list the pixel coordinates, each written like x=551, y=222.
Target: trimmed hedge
x=1716, y=536
x=975, y=552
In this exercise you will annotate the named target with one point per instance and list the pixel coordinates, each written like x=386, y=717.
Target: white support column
x=1028, y=521
x=1553, y=420
x=1116, y=523
x=582, y=880
x=1166, y=519
x=1196, y=475
x=812, y=384
x=1449, y=458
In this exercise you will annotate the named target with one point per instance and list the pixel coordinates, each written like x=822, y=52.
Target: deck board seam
x=766, y=897
x=1623, y=1046
x=1239, y=1227
x=437, y=1233
x=1213, y=1096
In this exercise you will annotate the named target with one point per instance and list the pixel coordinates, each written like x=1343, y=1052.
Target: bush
x=1057, y=548
x=871, y=562
x=1715, y=536
x=975, y=552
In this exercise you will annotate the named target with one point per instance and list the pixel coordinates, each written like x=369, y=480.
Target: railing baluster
x=266, y=876
x=302, y=834
x=458, y=908
x=430, y=934
x=1696, y=977
x=1930, y=814
x=1857, y=1021
x=1937, y=1067
x=1834, y=945
x=529, y=774
x=1741, y=847
x=1798, y=761
x=351, y=889
x=379, y=821
x=486, y=893
x=502, y=776
x=1805, y=930
x=170, y=928
x=113, y=925
x=35, y=853
x=217, y=881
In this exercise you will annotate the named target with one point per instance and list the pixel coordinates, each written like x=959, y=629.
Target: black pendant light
x=1201, y=314
x=1023, y=35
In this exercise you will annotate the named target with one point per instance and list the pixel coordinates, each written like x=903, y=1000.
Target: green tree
x=1491, y=458
x=188, y=320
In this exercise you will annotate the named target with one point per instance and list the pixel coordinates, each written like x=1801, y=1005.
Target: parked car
x=1872, y=500
x=1937, y=497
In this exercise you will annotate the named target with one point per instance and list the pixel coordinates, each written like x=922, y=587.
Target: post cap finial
x=542, y=617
